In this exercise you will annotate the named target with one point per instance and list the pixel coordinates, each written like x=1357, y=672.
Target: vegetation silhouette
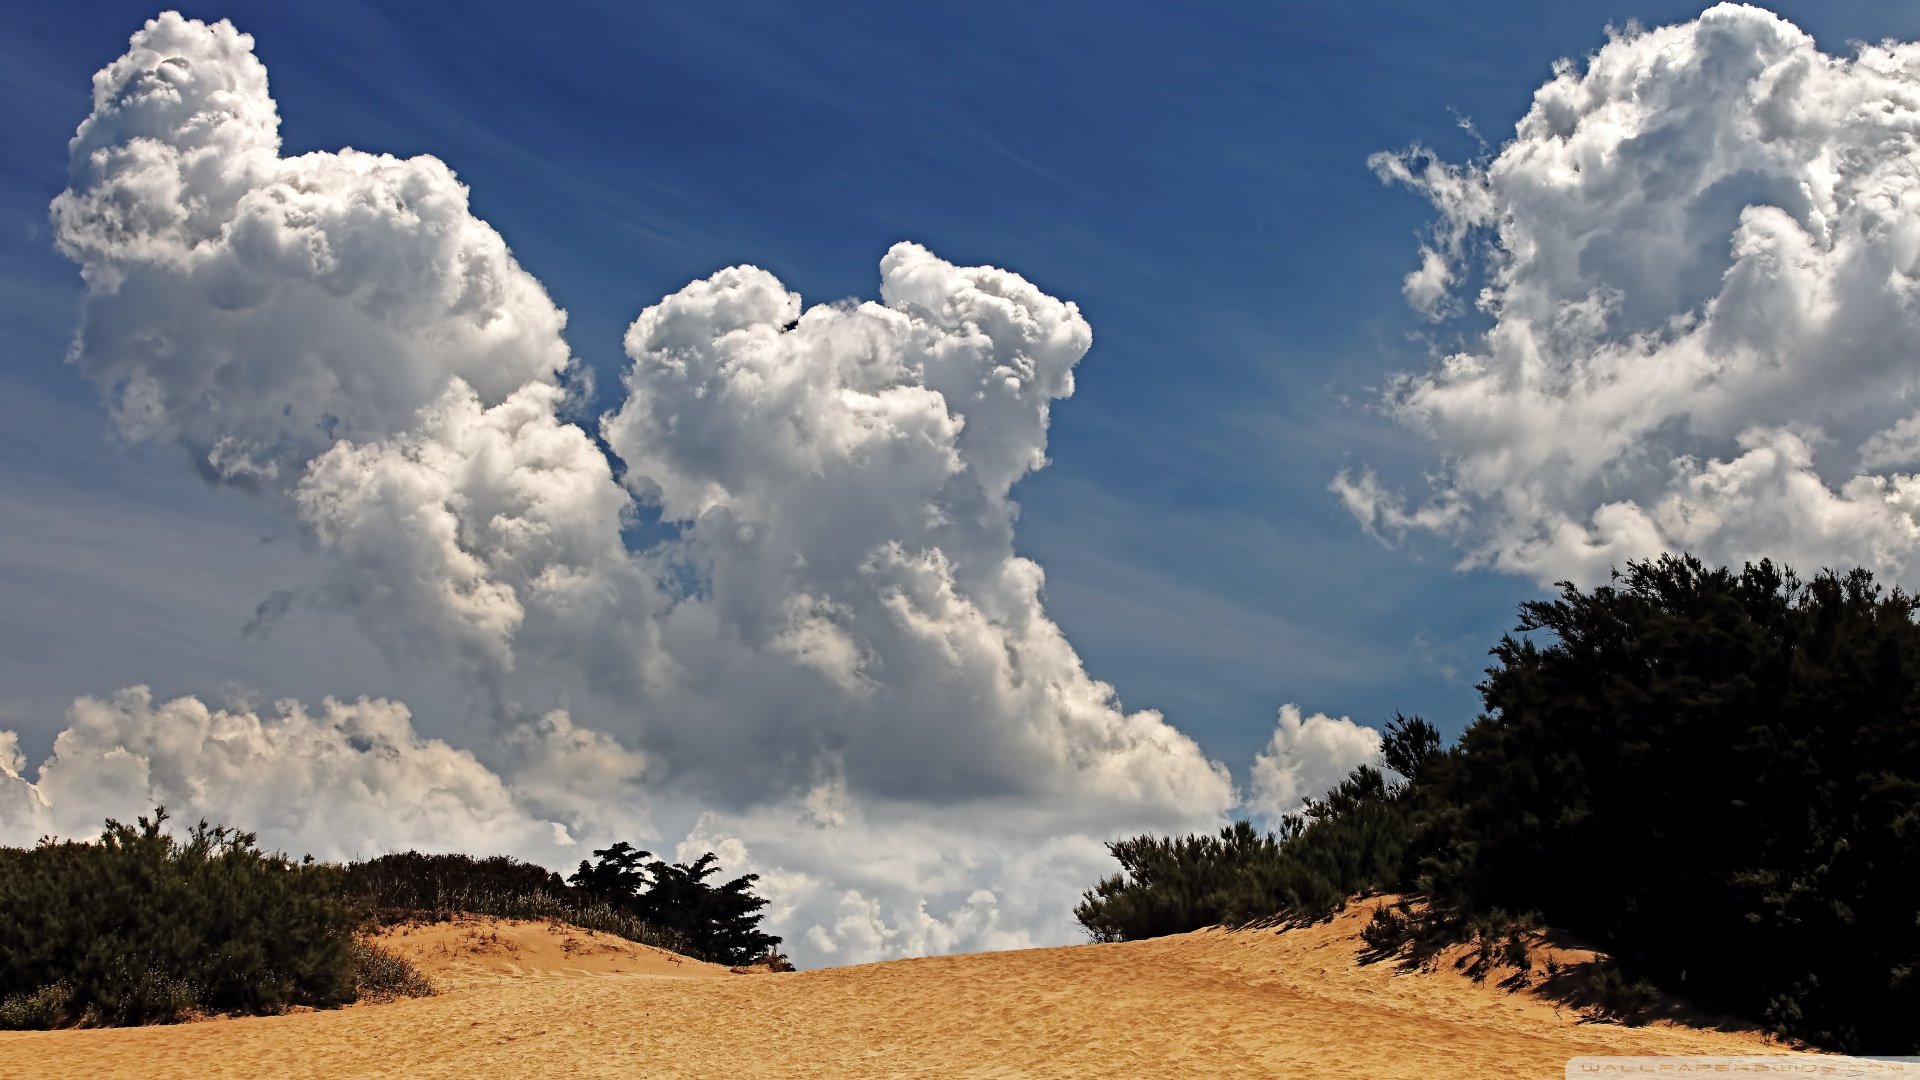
x=719, y=923
x=1712, y=775
x=624, y=891
x=410, y=886
x=144, y=927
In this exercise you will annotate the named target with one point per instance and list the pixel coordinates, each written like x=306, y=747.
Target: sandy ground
x=530, y=999
x=473, y=952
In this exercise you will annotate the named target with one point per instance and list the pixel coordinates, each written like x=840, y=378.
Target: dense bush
x=412, y=885
x=623, y=891
x=719, y=923
x=1169, y=885
x=1352, y=840
x=1713, y=775
x=48, y=1007
x=143, y=928
x=1611, y=995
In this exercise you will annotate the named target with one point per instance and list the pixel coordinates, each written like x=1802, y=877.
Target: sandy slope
x=518, y=1000
x=473, y=952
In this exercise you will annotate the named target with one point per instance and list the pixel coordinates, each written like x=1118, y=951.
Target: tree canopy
x=719, y=922
x=1714, y=775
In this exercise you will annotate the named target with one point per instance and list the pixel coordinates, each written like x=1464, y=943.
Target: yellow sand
x=530, y=999
x=472, y=952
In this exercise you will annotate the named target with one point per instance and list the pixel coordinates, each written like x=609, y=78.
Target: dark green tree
x=618, y=873
x=1715, y=775
x=1408, y=744
x=720, y=923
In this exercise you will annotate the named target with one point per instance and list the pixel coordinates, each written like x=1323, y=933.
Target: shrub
x=1494, y=941
x=1175, y=884
x=1611, y=995
x=382, y=975
x=142, y=927
x=48, y=1007
x=1351, y=840
x=145, y=928
x=1390, y=930
x=412, y=885
x=1408, y=744
x=1711, y=775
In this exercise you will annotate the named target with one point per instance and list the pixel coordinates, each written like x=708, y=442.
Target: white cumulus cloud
x=255, y=308
x=348, y=779
x=836, y=670
x=842, y=473
x=1306, y=757
x=1699, y=253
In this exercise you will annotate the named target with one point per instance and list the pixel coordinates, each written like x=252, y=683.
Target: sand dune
x=474, y=951
x=528, y=999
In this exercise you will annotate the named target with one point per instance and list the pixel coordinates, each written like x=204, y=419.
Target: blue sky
x=1195, y=178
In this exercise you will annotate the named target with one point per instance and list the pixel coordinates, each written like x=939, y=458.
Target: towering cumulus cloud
x=1700, y=255
x=835, y=671
x=341, y=330
x=843, y=474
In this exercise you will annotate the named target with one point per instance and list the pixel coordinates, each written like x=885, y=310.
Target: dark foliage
x=48, y=1007
x=719, y=923
x=1407, y=744
x=1392, y=929
x=1168, y=885
x=1714, y=776
x=1351, y=840
x=618, y=873
x=146, y=928
x=1610, y=994
x=1347, y=842
x=143, y=927
x=412, y=885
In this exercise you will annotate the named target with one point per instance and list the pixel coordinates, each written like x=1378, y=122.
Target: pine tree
x=720, y=923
